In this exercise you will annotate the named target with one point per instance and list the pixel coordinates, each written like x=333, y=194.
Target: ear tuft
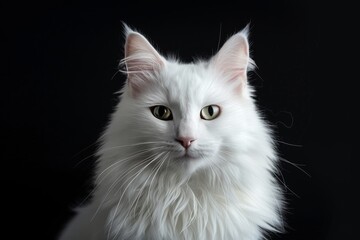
x=233, y=61
x=127, y=29
x=142, y=62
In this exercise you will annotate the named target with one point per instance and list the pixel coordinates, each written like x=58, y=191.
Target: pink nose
x=185, y=141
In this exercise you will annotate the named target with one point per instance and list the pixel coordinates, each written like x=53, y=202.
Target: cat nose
x=185, y=141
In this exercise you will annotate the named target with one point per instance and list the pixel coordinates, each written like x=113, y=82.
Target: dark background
x=59, y=77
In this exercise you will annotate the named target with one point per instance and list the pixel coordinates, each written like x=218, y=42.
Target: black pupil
x=210, y=110
x=162, y=111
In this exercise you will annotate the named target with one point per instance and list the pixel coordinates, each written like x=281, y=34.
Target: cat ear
x=142, y=61
x=232, y=60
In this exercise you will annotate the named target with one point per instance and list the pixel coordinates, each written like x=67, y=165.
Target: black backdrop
x=60, y=75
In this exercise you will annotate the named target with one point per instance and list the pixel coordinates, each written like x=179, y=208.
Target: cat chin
x=191, y=159
x=191, y=163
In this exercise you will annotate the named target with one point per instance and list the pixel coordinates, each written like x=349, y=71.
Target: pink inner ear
x=232, y=60
x=142, y=61
x=236, y=74
x=138, y=64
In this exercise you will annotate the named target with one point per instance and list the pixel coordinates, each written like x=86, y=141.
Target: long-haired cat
x=186, y=154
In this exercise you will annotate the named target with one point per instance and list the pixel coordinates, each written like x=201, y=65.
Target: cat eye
x=161, y=112
x=210, y=112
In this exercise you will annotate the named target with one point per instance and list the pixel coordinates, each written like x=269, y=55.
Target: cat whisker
x=140, y=192
x=123, y=176
x=130, y=169
x=160, y=165
x=130, y=145
x=295, y=165
x=84, y=159
x=128, y=158
x=118, y=179
x=112, y=78
x=109, y=169
x=289, y=144
x=219, y=40
x=109, y=149
x=154, y=173
x=83, y=150
x=284, y=183
x=122, y=195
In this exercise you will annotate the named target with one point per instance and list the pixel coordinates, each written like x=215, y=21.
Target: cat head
x=191, y=115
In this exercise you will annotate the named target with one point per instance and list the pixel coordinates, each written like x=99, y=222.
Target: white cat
x=186, y=154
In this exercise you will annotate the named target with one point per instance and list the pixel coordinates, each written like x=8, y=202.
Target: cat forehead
x=175, y=70
x=188, y=81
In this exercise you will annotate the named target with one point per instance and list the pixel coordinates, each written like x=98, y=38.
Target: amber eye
x=161, y=112
x=210, y=112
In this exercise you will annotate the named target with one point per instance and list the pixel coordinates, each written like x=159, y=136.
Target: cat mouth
x=188, y=156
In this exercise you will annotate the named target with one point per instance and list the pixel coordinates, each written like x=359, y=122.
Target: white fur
x=146, y=190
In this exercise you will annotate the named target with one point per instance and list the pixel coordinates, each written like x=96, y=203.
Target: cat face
x=185, y=111
x=190, y=114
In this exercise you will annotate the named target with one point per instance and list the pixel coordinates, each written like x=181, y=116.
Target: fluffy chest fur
x=207, y=206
